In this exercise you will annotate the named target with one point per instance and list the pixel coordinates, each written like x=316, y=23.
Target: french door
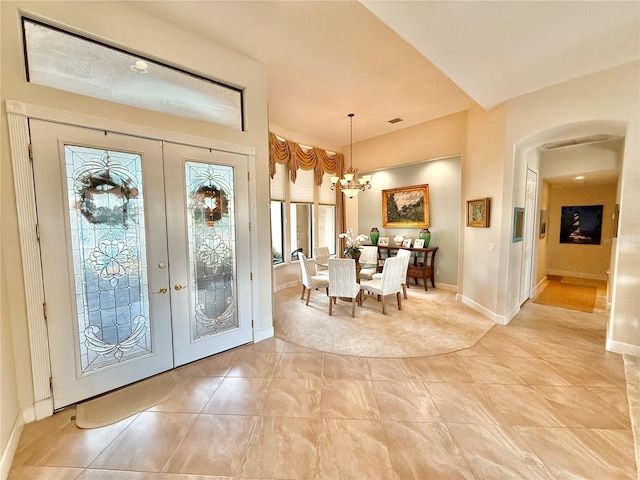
x=142, y=252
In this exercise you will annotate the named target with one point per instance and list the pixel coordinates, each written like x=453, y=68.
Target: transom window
x=67, y=61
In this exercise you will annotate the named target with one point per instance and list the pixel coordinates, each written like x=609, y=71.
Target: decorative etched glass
x=211, y=238
x=106, y=220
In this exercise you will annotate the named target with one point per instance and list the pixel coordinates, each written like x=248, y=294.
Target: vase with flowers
x=353, y=243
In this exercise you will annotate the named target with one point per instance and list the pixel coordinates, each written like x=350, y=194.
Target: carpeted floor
x=569, y=295
x=430, y=323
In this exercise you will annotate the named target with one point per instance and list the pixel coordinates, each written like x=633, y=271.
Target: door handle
x=162, y=290
x=179, y=287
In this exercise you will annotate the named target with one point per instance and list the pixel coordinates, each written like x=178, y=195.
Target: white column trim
x=30, y=250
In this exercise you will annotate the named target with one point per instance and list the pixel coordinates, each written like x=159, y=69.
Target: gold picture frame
x=478, y=212
x=406, y=207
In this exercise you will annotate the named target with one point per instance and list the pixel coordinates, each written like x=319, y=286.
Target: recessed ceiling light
x=580, y=178
x=140, y=66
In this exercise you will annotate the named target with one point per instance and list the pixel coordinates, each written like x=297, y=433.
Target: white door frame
x=528, y=243
x=18, y=114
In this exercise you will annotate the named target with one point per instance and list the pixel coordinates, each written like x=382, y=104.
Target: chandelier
x=350, y=184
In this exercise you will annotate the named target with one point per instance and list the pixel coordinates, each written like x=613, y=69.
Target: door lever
x=162, y=290
x=178, y=287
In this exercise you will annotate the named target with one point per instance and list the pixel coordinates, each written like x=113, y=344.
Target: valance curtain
x=295, y=156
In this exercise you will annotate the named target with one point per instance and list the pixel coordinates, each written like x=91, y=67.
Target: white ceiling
x=327, y=59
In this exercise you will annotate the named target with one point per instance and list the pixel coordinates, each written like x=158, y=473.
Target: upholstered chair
x=321, y=258
x=342, y=282
x=310, y=282
x=390, y=281
x=406, y=254
x=368, y=262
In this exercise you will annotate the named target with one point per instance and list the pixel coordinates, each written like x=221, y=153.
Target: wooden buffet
x=425, y=269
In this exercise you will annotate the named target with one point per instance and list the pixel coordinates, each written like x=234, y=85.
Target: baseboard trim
x=38, y=411
x=499, y=319
x=283, y=286
x=622, y=348
x=509, y=316
x=589, y=276
x=447, y=286
x=12, y=446
x=539, y=287
x=263, y=334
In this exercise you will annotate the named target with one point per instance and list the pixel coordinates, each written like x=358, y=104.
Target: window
x=303, y=215
x=327, y=227
x=67, y=61
x=301, y=229
x=277, y=232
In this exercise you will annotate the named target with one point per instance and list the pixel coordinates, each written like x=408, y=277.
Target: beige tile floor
x=539, y=398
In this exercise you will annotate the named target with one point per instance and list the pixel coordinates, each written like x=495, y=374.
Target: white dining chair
x=321, y=258
x=342, y=282
x=406, y=254
x=310, y=282
x=368, y=262
x=390, y=281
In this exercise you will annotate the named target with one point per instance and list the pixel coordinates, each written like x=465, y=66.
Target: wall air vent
x=395, y=120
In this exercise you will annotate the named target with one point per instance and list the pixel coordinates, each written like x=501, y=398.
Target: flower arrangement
x=354, y=242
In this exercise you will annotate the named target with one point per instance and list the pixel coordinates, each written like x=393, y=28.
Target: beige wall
x=444, y=137
x=9, y=406
x=482, y=176
x=588, y=261
x=120, y=24
x=605, y=102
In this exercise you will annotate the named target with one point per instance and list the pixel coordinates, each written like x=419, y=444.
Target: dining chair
x=310, y=282
x=390, y=281
x=406, y=254
x=321, y=258
x=342, y=282
x=368, y=262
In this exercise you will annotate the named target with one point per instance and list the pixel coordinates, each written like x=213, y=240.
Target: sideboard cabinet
x=421, y=266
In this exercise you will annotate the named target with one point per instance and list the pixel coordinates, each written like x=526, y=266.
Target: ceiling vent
x=577, y=141
x=395, y=120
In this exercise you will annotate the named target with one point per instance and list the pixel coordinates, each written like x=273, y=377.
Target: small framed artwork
x=478, y=213
x=406, y=243
x=383, y=241
x=543, y=223
x=419, y=243
x=518, y=224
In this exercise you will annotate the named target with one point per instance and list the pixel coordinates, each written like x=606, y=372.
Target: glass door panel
x=211, y=238
x=207, y=193
x=99, y=198
x=106, y=219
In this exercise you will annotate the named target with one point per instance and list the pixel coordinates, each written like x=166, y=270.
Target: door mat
x=566, y=295
x=130, y=400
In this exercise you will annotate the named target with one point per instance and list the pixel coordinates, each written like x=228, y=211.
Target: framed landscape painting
x=406, y=207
